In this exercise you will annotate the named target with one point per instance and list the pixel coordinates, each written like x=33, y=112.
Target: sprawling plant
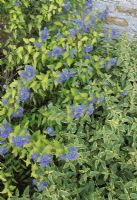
x=56, y=82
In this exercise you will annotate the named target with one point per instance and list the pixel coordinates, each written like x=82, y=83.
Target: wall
x=122, y=14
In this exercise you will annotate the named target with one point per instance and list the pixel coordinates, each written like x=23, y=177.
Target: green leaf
x=70, y=61
x=59, y=65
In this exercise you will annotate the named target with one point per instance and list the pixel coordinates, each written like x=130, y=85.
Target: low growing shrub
x=59, y=84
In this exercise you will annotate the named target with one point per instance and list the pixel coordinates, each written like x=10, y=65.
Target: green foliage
x=67, y=79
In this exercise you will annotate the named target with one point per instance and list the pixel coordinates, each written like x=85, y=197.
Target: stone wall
x=122, y=14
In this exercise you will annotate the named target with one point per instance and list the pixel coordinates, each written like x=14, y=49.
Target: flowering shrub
x=57, y=83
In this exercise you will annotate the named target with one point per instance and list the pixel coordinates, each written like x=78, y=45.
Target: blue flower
x=50, y=54
x=77, y=111
x=16, y=3
x=35, y=182
x=90, y=110
x=40, y=186
x=62, y=78
x=4, y=132
x=87, y=57
x=79, y=22
x=3, y=150
x=34, y=157
x=44, y=35
x=87, y=10
x=93, y=19
x=113, y=62
x=88, y=48
x=18, y=113
x=67, y=5
x=89, y=2
x=123, y=94
x=114, y=33
x=106, y=35
x=38, y=44
x=45, y=31
x=57, y=51
x=45, y=160
x=59, y=35
x=29, y=72
x=65, y=75
x=4, y=101
x=104, y=14
x=73, y=32
x=51, y=131
x=86, y=26
x=72, y=154
x=94, y=101
x=20, y=141
x=24, y=94
x=72, y=52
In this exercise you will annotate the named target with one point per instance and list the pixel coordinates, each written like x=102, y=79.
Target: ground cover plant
x=67, y=109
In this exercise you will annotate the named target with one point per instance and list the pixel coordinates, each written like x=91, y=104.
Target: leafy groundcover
x=68, y=126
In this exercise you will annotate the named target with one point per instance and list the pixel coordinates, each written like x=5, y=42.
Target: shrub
x=106, y=168
x=58, y=85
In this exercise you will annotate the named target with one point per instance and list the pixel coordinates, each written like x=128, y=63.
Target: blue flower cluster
x=29, y=72
x=59, y=35
x=114, y=33
x=87, y=56
x=34, y=157
x=18, y=113
x=90, y=110
x=77, y=111
x=111, y=63
x=72, y=155
x=51, y=131
x=3, y=150
x=73, y=52
x=57, y=51
x=40, y=186
x=67, y=5
x=89, y=2
x=16, y=3
x=123, y=94
x=73, y=32
x=88, y=48
x=65, y=75
x=84, y=25
x=20, y=141
x=5, y=130
x=104, y=14
x=45, y=160
x=44, y=34
x=38, y=44
x=24, y=94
